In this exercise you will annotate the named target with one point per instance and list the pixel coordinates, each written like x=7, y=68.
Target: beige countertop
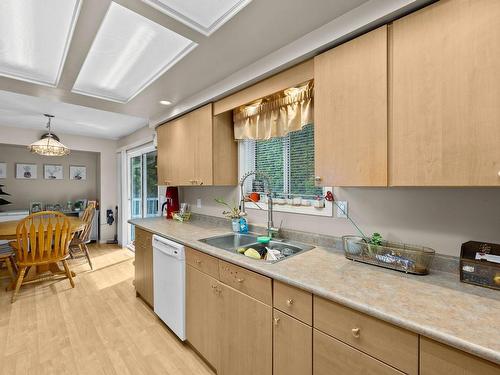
x=437, y=306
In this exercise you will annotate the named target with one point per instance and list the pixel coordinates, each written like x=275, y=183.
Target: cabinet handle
x=276, y=321
x=200, y=183
x=317, y=178
x=355, y=332
x=240, y=280
x=197, y=261
x=290, y=302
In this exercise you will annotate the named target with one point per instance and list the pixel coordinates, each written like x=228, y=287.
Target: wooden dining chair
x=42, y=238
x=80, y=240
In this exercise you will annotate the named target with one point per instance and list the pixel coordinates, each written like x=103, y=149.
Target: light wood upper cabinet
x=201, y=313
x=245, y=334
x=445, y=127
x=144, y=265
x=198, y=149
x=350, y=112
x=438, y=359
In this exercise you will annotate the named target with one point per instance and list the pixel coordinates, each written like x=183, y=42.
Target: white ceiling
x=26, y=111
x=250, y=36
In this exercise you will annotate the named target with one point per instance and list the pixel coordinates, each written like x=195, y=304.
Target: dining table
x=8, y=232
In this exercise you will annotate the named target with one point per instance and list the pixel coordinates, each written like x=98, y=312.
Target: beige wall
x=440, y=218
x=106, y=169
x=47, y=191
x=137, y=138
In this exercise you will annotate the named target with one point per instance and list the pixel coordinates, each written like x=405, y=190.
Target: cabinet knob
x=317, y=178
x=290, y=302
x=276, y=321
x=197, y=261
x=355, y=332
x=240, y=280
x=498, y=174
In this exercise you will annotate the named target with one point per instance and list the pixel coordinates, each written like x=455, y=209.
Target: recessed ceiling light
x=129, y=53
x=203, y=16
x=165, y=102
x=35, y=37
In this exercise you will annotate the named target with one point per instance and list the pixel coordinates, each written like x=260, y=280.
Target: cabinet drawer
x=248, y=282
x=388, y=343
x=293, y=301
x=331, y=356
x=436, y=359
x=203, y=262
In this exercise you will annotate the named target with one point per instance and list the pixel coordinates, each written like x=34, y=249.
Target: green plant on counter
x=376, y=239
x=233, y=212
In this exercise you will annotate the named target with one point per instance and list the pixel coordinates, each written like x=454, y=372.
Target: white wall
x=106, y=168
x=436, y=217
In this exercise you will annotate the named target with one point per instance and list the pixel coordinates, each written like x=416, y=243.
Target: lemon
x=252, y=253
x=241, y=250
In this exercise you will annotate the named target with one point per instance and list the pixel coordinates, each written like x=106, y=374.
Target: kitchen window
x=289, y=163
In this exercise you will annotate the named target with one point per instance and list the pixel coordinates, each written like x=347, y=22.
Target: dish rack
x=393, y=255
x=181, y=216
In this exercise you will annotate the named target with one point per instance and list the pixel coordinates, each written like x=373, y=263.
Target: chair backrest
x=88, y=218
x=43, y=236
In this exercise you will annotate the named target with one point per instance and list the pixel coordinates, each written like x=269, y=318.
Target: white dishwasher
x=170, y=284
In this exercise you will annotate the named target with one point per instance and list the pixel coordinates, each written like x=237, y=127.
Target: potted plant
x=233, y=213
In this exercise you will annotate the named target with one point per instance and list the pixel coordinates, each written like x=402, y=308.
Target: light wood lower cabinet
x=245, y=334
x=439, y=359
x=292, y=352
x=144, y=265
x=201, y=314
x=332, y=356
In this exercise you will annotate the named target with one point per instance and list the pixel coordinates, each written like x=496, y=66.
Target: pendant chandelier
x=49, y=144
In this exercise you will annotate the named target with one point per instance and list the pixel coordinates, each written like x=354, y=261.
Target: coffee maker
x=171, y=203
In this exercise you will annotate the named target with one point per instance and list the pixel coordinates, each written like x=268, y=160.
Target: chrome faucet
x=271, y=230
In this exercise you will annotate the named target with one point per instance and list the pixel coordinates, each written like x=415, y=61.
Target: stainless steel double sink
x=233, y=241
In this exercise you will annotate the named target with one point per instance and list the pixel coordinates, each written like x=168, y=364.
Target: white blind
x=288, y=161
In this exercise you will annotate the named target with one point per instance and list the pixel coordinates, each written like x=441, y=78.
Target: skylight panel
x=128, y=54
x=205, y=16
x=35, y=37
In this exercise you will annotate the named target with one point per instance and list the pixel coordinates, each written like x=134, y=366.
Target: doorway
x=142, y=187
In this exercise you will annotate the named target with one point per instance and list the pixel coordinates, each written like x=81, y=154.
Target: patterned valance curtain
x=275, y=115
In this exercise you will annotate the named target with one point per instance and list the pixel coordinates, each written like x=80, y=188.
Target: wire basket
x=394, y=255
x=182, y=217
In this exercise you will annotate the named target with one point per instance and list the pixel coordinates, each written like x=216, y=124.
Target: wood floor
x=99, y=327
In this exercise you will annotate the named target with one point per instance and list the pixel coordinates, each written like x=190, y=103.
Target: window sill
x=302, y=210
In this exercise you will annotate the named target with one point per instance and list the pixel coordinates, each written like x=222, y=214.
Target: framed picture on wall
x=26, y=171
x=77, y=172
x=53, y=172
x=3, y=170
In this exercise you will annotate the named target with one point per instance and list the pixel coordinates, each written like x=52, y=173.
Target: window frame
x=243, y=161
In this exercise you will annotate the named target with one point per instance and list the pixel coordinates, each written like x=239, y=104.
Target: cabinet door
x=200, y=144
x=350, y=112
x=245, y=334
x=201, y=313
x=331, y=356
x=175, y=153
x=292, y=346
x=445, y=95
x=437, y=359
x=144, y=265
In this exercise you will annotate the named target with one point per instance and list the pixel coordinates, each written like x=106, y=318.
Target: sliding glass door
x=142, y=186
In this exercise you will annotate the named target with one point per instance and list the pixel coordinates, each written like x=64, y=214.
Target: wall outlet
x=198, y=203
x=342, y=210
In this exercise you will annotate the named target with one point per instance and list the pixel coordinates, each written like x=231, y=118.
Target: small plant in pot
x=233, y=213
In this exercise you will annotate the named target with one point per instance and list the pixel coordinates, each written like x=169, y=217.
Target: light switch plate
x=342, y=209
